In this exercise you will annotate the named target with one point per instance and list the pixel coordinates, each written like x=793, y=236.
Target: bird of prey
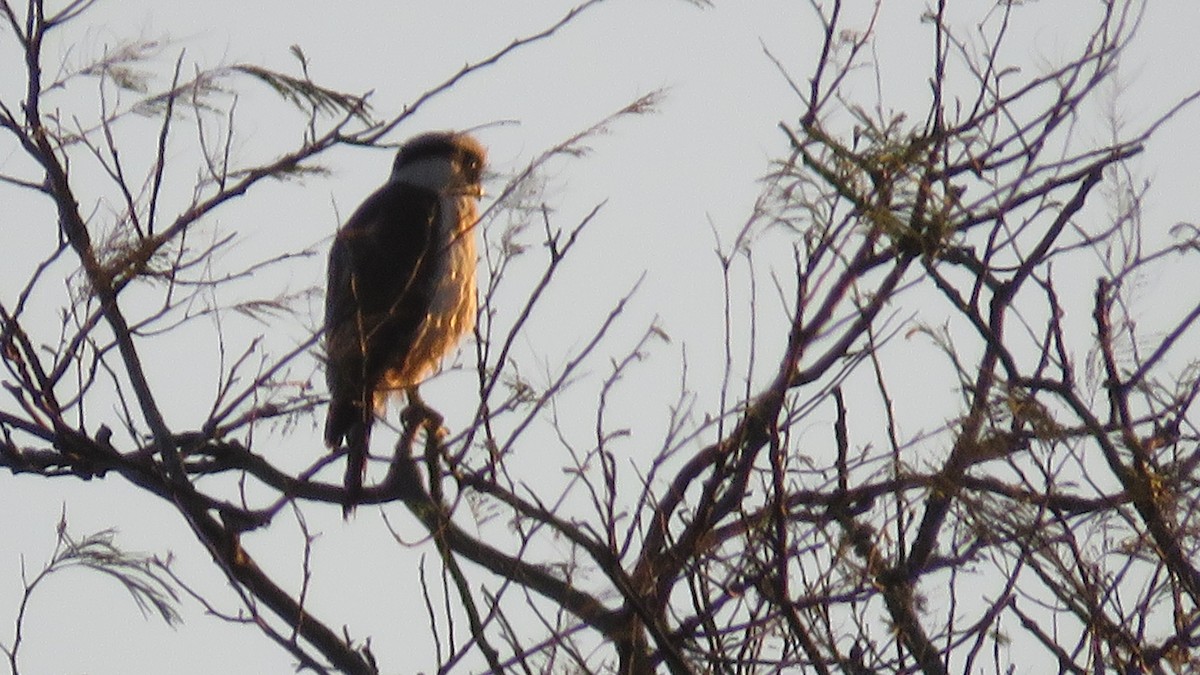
x=401, y=288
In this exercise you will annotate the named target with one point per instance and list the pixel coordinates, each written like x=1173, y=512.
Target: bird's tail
x=351, y=423
x=356, y=468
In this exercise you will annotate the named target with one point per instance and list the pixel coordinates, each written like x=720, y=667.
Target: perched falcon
x=401, y=287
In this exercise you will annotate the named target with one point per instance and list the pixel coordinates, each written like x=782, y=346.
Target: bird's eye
x=473, y=167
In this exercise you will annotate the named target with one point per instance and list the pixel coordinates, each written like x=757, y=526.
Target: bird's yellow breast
x=452, y=305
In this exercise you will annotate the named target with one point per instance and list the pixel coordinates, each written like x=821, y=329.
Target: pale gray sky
x=671, y=180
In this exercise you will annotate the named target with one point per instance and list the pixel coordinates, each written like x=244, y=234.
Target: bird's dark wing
x=379, y=289
x=376, y=255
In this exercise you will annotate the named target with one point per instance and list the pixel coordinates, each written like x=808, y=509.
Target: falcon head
x=445, y=162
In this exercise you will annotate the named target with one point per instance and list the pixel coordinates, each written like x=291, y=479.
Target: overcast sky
x=676, y=183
